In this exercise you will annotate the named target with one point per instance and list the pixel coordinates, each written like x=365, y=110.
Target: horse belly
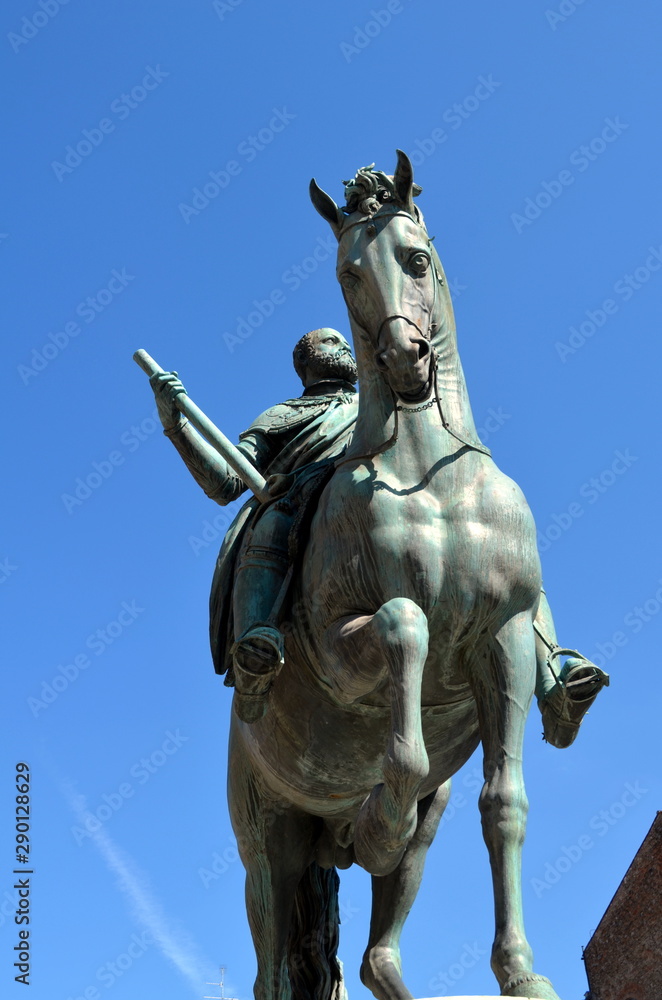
x=321, y=758
x=325, y=758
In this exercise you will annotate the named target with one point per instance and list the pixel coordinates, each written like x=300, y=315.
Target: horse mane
x=367, y=191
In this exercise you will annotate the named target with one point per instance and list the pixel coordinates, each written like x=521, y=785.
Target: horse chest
x=464, y=535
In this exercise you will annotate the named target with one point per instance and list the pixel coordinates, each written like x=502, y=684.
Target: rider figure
x=290, y=443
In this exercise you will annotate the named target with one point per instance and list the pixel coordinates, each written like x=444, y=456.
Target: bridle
x=437, y=280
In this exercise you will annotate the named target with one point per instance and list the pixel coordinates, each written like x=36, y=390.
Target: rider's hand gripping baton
x=246, y=472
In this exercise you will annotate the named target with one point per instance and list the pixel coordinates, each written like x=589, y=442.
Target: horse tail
x=314, y=969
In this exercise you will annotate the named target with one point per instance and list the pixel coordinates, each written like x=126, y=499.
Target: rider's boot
x=258, y=651
x=564, y=696
x=565, y=704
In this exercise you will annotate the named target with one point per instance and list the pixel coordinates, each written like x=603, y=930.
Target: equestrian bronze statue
x=378, y=607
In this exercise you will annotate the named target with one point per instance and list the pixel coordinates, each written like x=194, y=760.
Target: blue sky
x=157, y=159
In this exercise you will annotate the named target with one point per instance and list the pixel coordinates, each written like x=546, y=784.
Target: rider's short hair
x=303, y=351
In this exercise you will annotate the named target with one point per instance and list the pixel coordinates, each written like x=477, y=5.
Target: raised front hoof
x=377, y=859
x=381, y=973
x=530, y=985
x=565, y=705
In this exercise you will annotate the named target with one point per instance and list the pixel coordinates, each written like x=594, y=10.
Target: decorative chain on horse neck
x=417, y=409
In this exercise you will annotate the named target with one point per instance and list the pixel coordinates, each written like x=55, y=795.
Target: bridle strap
x=436, y=279
x=370, y=219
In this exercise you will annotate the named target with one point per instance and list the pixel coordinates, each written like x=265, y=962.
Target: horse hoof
x=381, y=973
x=378, y=848
x=531, y=986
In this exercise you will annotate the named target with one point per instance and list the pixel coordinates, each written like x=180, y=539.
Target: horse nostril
x=380, y=361
x=423, y=349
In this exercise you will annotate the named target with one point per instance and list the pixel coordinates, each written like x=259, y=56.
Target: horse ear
x=403, y=179
x=326, y=207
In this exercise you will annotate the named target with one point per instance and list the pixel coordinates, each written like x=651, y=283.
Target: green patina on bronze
x=379, y=616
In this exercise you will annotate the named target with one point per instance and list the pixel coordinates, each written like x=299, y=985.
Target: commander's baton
x=246, y=472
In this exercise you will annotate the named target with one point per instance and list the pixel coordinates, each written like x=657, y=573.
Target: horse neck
x=452, y=388
x=376, y=420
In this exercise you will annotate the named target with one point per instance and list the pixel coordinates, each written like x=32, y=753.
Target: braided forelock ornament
x=369, y=189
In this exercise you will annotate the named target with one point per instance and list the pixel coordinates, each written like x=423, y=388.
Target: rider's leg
x=566, y=693
x=545, y=679
x=258, y=647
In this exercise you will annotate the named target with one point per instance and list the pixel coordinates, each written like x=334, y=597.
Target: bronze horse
x=412, y=639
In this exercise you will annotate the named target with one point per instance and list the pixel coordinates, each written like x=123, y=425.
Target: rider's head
x=324, y=354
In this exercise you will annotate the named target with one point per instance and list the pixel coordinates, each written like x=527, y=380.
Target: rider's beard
x=330, y=366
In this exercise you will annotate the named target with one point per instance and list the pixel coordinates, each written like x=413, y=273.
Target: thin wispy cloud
x=178, y=948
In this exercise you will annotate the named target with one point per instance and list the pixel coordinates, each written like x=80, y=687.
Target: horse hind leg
x=393, y=897
x=364, y=649
x=275, y=844
x=503, y=681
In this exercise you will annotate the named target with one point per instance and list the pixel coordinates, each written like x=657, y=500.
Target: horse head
x=391, y=278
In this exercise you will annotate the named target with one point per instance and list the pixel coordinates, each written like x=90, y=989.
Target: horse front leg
x=503, y=682
x=363, y=650
x=393, y=897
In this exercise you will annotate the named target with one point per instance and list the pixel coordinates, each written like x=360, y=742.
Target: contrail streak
x=176, y=947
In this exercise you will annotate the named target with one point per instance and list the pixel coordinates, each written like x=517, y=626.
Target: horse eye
x=349, y=280
x=419, y=263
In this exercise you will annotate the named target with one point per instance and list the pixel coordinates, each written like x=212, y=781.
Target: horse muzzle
x=404, y=356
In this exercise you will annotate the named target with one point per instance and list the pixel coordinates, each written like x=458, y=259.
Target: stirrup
x=577, y=686
x=258, y=653
x=258, y=657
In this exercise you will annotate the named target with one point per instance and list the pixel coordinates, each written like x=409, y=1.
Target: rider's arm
x=209, y=470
